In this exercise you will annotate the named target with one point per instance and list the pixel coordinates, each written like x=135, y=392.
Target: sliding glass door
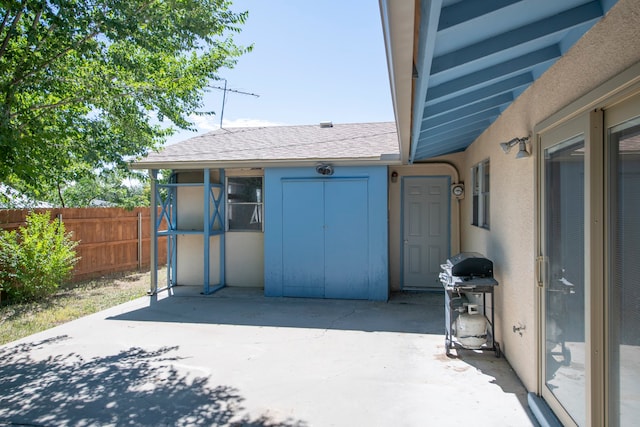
x=563, y=246
x=589, y=266
x=623, y=235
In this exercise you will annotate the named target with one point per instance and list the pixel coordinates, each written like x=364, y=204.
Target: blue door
x=346, y=247
x=303, y=239
x=324, y=238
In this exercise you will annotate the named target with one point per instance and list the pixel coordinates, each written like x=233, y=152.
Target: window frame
x=480, y=200
x=229, y=204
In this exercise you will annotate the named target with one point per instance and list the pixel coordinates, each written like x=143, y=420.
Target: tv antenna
x=224, y=96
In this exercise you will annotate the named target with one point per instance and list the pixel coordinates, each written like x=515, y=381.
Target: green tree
x=83, y=83
x=113, y=187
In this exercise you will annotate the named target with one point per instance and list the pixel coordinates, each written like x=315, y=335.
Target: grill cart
x=468, y=283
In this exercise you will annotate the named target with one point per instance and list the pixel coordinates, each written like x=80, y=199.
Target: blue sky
x=311, y=61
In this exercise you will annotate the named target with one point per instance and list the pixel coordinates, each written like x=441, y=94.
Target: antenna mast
x=224, y=96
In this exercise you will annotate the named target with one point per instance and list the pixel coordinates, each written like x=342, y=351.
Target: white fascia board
x=385, y=160
x=398, y=21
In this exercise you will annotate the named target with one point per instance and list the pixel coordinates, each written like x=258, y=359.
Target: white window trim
x=227, y=203
x=478, y=196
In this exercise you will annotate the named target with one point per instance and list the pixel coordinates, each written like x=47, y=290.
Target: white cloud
x=204, y=124
x=209, y=123
x=249, y=123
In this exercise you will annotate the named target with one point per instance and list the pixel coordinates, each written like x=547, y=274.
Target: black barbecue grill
x=468, y=281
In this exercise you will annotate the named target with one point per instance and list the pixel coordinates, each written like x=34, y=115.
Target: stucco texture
x=609, y=48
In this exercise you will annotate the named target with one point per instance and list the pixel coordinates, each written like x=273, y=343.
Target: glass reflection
x=624, y=334
x=565, y=290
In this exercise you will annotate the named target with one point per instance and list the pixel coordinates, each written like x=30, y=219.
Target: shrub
x=35, y=259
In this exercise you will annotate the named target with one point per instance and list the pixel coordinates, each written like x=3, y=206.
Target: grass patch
x=74, y=301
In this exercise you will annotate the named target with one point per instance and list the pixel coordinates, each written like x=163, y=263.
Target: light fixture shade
x=522, y=146
x=506, y=146
x=522, y=150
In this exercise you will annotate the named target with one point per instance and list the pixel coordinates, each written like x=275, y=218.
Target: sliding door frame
x=593, y=107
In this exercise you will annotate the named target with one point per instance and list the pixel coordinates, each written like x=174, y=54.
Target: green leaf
x=81, y=79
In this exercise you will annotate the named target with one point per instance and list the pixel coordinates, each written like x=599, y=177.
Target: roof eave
x=398, y=20
x=384, y=160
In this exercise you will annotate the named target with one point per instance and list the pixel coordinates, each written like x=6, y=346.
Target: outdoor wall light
x=522, y=147
x=394, y=176
x=324, y=169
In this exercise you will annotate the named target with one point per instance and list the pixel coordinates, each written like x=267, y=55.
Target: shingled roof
x=292, y=145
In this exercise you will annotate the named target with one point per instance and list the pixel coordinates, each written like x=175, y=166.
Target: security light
x=324, y=169
x=522, y=147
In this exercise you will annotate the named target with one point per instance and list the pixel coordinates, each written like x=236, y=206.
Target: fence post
x=139, y=240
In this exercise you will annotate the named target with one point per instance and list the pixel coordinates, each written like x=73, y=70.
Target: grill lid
x=469, y=264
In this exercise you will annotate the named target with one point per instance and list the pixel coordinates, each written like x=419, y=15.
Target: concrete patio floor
x=239, y=358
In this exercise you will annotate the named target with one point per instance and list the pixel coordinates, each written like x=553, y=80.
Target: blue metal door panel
x=346, y=239
x=303, y=239
x=294, y=261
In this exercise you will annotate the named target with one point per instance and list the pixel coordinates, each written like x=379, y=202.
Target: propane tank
x=471, y=328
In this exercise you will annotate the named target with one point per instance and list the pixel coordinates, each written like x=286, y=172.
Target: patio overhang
x=456, y=65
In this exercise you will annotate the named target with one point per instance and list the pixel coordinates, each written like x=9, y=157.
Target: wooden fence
x=110, y=239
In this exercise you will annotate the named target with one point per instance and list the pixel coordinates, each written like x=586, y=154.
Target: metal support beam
x=223, y=224
x=153, y=212
x=206, y=228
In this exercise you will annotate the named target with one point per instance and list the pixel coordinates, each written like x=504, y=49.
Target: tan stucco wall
x=441, y=166
x=244, y=259
x=609, y=48
x=190, y=260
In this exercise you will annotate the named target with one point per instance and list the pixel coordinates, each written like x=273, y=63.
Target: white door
x=425, y=230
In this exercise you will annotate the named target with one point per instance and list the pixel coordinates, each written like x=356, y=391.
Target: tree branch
x=49, y=106
x=144, y=6
x=4, y=20
x=45, y=37
x=48, y=62
x=11, y=30
x=19, y=79
x=36, y=20
x=60, y=194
